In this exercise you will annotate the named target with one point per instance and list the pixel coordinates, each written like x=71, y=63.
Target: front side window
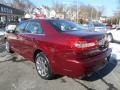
x=21, y=27
x=34, y=28
x=64, y=25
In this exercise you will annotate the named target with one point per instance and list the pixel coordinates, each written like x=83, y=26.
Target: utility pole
x=77, y=11
x=119, y=22
x=97, y=12
x=91, y=13
x=118, y=18
x=96, y=15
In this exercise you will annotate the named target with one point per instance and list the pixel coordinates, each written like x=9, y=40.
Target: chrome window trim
x=31, y=33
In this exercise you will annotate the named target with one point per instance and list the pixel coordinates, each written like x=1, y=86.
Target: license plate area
x=101, y=65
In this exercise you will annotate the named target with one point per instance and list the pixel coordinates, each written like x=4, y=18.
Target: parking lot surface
x=17, y=73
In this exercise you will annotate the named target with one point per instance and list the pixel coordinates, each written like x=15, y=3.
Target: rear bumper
x=81, y=68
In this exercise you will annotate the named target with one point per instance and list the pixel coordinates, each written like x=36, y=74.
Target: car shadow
x=5, y=61
x=59, y=77
x=99, y=76
x=2, y=48
x=109, y=85
x=82, y=84
x=13, y=59
x=103, y=72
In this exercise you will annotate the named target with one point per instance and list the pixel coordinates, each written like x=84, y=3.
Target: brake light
x=86, y=44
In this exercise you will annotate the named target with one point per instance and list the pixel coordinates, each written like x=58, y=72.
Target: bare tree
x=29, y=6
x=25, y=5
x=58, y=7
x=2, y=1
x=84, y=11
x=90, y=12
x=19, y=4
x=116, y=18
x=5, y=2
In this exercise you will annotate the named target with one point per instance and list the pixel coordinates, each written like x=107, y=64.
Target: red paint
x=59, y=47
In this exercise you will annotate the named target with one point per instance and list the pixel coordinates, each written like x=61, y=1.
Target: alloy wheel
x=42, y=66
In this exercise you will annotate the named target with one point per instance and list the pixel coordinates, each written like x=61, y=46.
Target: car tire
x=8, y=47
x=110, y=38
x=43, y=66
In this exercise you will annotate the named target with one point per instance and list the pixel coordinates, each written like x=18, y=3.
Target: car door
x=33, y=30
x=16, y=39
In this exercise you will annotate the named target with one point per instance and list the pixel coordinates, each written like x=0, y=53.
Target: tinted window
x=90, y=25
x=64, y=25
x=99, y=24
x=96, y=24
x=34, y=28
x=21, y=27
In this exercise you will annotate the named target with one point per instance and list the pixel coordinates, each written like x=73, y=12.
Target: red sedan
x=59, y=47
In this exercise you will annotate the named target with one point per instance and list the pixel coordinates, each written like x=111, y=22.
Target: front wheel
x=43, y=66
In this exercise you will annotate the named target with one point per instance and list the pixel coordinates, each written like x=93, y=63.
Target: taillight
x=86, y=44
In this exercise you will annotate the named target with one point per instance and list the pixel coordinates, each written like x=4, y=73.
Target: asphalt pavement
x=17, y=73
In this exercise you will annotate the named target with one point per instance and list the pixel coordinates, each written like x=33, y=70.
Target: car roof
x=40, y=19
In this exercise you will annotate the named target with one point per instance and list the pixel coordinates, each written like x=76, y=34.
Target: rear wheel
x=43, y=66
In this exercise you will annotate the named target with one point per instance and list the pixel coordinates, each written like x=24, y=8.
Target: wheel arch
x=35, y=53
x=51, y=72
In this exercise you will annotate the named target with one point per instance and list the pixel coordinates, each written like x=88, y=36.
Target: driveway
x=16, y=73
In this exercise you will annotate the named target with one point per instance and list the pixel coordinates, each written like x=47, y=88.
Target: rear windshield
x=65, y=25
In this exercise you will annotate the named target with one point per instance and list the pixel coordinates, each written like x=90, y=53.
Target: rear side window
x=98, y=24
x=91, y=25
x=65, y=25
x=34, y=28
